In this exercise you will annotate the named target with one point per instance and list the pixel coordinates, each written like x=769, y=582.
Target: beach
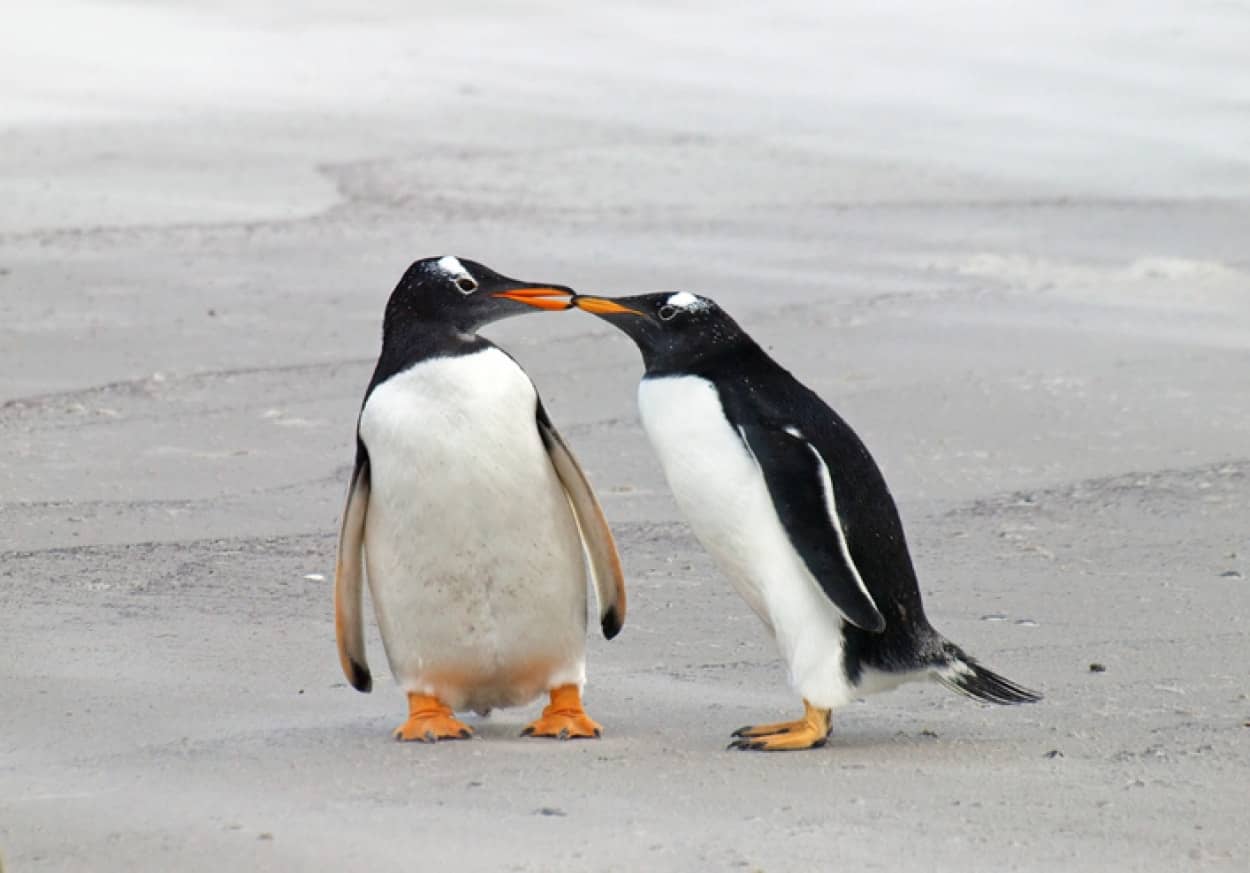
x=1009, y=246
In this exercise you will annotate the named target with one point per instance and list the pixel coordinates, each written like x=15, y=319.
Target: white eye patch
x=463, y=278
x=686, y=300
x=448, y=264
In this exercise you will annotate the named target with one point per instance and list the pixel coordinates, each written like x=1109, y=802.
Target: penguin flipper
x=605, y=563
x=349, y=578
x=802, y=493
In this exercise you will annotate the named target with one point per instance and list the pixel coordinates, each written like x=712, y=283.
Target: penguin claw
x=775, y=744
x=561, y=726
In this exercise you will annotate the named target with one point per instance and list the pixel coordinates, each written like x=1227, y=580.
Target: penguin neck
x=407, y=341
x=709, y=361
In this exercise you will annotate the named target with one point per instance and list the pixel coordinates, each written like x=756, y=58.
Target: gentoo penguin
x=787, y=500
x=476, y=525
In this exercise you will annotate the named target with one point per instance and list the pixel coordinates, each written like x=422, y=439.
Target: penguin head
x=673, y=330
x=466, y=295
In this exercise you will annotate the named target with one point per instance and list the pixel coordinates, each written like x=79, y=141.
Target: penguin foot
x=430, y=720
x=564, y=717
x=809, y=732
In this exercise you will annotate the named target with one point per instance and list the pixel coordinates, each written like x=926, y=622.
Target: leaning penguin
x=474, y=524
x=787, y=500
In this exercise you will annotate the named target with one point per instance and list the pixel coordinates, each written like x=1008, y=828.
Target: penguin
x=791, y=506
x=471, y=519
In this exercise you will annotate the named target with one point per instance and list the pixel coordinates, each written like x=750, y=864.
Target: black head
x=674, y=331
x=464, y=295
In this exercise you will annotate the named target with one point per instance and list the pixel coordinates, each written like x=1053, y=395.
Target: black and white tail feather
x=960, y=672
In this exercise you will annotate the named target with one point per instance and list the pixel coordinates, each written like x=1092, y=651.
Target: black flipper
x=802, y=493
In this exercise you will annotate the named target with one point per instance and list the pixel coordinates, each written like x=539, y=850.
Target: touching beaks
x=540, y=297
x=600, y=306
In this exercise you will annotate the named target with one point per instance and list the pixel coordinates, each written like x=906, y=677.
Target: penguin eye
x=466, y=284
x=667, y=312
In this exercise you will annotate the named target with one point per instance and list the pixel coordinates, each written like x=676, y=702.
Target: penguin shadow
x=855, y=736
x=492, y=730
x=507, y=727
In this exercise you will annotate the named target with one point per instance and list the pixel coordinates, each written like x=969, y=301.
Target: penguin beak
x=540, y=297
x=602, y=306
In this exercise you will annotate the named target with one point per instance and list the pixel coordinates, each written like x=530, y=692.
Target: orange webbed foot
x=564, y=718
x=809, y=732
x=430, y=720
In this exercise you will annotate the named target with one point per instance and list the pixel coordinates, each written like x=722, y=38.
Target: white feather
x=686, y=300
x=452, y=266
x=473, y=555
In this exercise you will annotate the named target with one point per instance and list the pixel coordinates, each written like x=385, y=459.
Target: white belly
x=474, y=561
x=721, y=491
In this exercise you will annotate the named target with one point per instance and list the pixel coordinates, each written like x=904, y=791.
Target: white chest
x=461, y=482
x=704, y=460
x=458, y=407
x=715, y=481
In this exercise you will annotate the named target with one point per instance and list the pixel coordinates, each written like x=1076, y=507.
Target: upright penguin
x=475, y=522
x=787, y=500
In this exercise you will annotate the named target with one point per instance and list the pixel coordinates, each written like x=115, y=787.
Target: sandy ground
x=1010, y=246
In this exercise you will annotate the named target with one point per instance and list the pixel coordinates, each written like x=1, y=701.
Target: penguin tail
x=960, y=672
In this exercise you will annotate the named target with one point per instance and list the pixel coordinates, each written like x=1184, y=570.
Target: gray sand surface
x=1012, y=248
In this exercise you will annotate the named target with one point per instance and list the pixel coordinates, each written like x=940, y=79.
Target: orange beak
x=599, y=306
x=540, y=298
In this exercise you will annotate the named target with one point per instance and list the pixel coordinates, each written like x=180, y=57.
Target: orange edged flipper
x=605, y=563
x=349, y=577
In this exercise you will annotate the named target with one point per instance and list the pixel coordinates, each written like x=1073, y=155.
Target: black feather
x=969, y=678
x=611, y=623
x=360, y=678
